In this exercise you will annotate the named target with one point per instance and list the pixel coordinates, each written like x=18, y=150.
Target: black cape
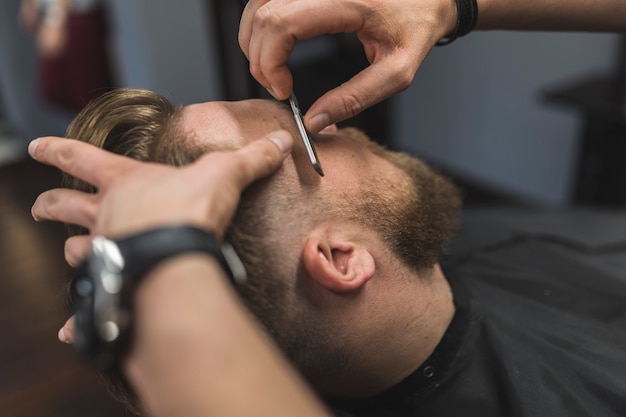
x=540, y=326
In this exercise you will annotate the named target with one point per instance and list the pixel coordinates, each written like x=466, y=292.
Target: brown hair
x=129, y=122
x=416, y=216
x=421, y=218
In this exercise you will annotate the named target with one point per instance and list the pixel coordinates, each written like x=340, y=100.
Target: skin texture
x=267, y=34
x=396, y=35
x=269, y=29
x=226, y=174
x=345, y=263
x=339, y=278
x=178, y=366
x=395, y=43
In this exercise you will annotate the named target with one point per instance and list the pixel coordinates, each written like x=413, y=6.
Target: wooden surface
x=39, y=376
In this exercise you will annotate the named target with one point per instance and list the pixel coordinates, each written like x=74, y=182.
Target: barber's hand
x=203, y=362
x=134, y=196
x=396, y=34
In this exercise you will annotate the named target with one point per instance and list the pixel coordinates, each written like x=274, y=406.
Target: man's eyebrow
x=282, y=105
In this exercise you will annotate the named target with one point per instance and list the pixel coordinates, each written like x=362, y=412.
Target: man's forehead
x=224, y=125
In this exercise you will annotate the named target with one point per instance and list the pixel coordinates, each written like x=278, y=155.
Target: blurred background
x=521, y=119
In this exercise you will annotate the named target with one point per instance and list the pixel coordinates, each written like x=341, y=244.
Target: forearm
x=200, y=354
x=558, y=15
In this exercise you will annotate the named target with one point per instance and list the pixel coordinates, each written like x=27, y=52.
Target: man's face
x=408, y=207
x=398, y=196
x=412, y=207
x=395, y=200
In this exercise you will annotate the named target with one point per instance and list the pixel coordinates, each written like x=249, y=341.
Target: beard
x=414, y=216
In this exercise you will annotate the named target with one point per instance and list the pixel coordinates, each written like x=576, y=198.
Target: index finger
x=245, y=24
x=269, y=31
x=79, y=159
x=372, y=85
x=260, y=158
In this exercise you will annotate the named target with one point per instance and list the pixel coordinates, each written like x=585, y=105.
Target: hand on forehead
x=231, y=125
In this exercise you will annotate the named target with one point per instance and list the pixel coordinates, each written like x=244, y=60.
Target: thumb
x=259, y=158
x=375, y=83
x=224, y=175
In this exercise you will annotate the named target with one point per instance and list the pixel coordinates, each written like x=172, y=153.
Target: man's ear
x=337, y=263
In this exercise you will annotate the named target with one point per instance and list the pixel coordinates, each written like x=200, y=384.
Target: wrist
x=103, y=292
x=165, y=306
x=173, y=313
x=450, y=17
x=466, y=18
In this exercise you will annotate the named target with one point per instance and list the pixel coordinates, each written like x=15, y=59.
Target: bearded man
x=345, y=275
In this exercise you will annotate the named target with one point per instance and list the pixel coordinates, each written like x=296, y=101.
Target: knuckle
x=255, y=70
x=404, y=81
x=267, y=17
x=274, y=20
x=66, y=157
x=352, y=104
x=50, y=206
x=109, y=175
x=403, y=77
x=84, y=212
x=268, y=158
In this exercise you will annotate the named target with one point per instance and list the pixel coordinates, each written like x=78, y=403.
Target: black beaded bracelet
x=467, y=15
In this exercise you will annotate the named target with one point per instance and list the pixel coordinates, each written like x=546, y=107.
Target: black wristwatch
x=102, y=292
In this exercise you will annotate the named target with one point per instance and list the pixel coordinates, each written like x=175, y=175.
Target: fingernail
x=319, y=122
x=272, y=90
x=32, y=147
x=329, y=129
x=276, y=93
x=281, y=141
x=32, y=213
x=62, y=337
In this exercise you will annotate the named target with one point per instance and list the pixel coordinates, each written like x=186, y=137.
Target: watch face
x=82, y=294
x=109, y=254
x=102, y=317
x=102, y=292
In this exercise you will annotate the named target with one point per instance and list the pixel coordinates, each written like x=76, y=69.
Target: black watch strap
x=143, y=251
x=102, y=293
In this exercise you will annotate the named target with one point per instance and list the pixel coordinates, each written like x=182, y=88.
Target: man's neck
x=419, y=312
